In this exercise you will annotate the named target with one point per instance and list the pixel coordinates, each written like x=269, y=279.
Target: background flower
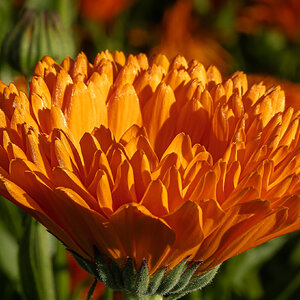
x=183, y=34
x=282, y=15
x=103, y=10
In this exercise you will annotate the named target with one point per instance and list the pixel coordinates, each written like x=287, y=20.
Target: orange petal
x=36, y=153
x=124, y=190
x=146, y=84
x=172, y=181
x=64, y=178
x=127, y=74
x=132, y=132
x=182, y=146
x=123, y=110
x=156, y=198
x=104, y=196
x=89, y=145
x=159, y=118
x=212, y=215
x=81, y=66
x=104, y=136
x=186, y=222
x=235, y=222
x=142, y=236
x=80, y=112
x=85, y=226
x=161, y=60
x=142, y=173
x=193, y=120
x=58, y=120
x=39, y=87
x=98, y=96
x=62, y=84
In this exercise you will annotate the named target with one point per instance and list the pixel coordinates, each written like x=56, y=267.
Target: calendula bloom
x=103, y=10
x=145, y=164
x=282, y=15
x=183, y=34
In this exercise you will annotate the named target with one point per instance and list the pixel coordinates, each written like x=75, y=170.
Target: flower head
x=153, y=160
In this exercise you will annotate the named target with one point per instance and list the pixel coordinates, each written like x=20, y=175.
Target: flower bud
x=36, y=34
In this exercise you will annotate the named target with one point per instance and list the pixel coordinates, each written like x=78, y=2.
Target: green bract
x=36, y=34
x=137, y=284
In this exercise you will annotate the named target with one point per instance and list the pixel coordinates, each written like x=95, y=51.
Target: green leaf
x=11, y=216
x=8, y=254
x=35, y=262
x=61, y=272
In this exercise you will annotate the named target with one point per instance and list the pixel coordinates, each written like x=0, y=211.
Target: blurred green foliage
x=270, y=271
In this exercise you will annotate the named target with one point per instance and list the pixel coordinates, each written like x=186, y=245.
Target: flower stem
x=92, y=289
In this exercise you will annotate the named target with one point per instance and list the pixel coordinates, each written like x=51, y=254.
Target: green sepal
x=172, y=278
x=117, y=276
x=84, y=264
x=196, y=283
x=155, y=280
x=137, y=284
x=36, y=33
x=33, y=55
x=43, y=43
x=201, y=281
x=186, y=277
x=22, y=50
x=103, y=272
x=142, y=279
x=129, y=276
x=12, y=41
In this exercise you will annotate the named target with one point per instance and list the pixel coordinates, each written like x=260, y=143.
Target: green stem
x=92, y=289
x=129, y=296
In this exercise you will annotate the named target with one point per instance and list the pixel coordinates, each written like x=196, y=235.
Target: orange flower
x=151, y=160
x=103, y=10
x=182, y=34
x=279, y=14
